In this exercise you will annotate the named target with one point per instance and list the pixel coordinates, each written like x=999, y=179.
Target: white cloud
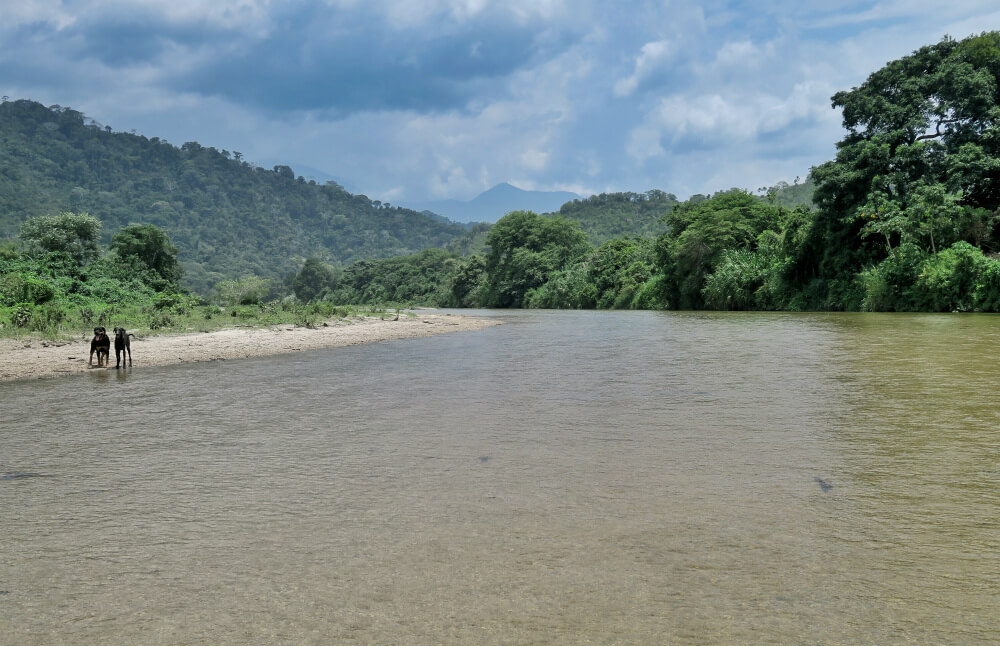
x=742, y=54
x=712, y=119
x=936, y=12
x=415, y=13
x=679, y=95
x=653, y=57
x=534, y=160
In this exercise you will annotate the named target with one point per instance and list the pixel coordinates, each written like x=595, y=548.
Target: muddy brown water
x=565, y=478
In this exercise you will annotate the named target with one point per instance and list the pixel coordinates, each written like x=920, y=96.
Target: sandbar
x=27, y=358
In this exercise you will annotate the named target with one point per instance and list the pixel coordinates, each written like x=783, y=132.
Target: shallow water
x=619, y=477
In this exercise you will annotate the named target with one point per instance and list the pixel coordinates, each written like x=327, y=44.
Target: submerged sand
x=34, y=358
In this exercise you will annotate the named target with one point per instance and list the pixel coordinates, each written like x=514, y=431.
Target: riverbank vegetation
x=227, y=216
x=58, y=280
x=906, y=217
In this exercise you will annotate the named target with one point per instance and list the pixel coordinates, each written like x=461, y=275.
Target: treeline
x=614, y=215
x=732, y=251
x=57, y=278
x=543, y=261
x=227, y=217
x=905, y=218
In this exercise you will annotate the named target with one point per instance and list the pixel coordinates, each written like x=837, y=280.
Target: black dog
x=100, y=344
x=122, y=346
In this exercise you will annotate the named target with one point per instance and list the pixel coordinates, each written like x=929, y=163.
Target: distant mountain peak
x=502, y=187
x=492, y=204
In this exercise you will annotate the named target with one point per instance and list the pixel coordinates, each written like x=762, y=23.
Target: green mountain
x=491, y=205
x=792, y=195
x=227, y=217
x=614, y=215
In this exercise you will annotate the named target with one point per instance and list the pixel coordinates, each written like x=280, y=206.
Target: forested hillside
x=613, y=215
x=905, y=218
x=791, y=195
x=227, y=217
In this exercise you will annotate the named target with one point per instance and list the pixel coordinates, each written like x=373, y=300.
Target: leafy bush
x=568, y=289
x=208, y=311
x=986, y=294
x=652, y=295
x=948, y=279
x=24, y=287
x=248, y=290
x=160, y=320
x=178, y=303
x=21, y=315
x=739, y=282
x=618, y=268
x=889, y=286
x=47, y=318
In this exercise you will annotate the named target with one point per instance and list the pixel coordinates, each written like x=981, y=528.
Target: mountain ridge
x=493, y=203
x=227, y=216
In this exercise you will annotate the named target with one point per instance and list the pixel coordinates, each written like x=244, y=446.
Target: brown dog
x=100, y=344
x=122, y=346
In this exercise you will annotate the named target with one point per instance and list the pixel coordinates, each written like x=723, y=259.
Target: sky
x=413, y=100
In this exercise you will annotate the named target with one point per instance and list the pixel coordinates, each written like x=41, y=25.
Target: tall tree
x=525, y=249
x=923, y=144
x=700, y=231
x=312, y=280
x=75, y=234
x=150, y=246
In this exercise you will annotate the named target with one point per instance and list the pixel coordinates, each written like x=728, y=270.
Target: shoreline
x=33, y=358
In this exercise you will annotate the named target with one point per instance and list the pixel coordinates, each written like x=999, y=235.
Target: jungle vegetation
x=57, y=279
x=227, y=217
x=906, y=217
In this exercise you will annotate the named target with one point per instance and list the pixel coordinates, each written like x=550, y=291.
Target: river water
x=565, y=478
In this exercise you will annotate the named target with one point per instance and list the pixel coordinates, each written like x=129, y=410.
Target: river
x=564, y=478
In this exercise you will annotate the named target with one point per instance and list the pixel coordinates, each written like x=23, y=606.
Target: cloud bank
x=445, y=98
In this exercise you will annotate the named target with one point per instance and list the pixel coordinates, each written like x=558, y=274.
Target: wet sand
x=29, y=358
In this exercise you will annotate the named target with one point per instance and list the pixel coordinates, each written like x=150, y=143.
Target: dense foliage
x=905, y=218
x=917, y=173
x=614, y=215
x=59, y=272
x=227, y=217
x=48, y=286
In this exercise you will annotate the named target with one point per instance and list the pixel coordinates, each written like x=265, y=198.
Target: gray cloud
x=444, y=98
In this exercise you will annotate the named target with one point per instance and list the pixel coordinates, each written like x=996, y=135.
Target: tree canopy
x=151, y=247
x=74, y=234
x=921, y=159
x=227, y=217
x=524, y=250
x=906, y=217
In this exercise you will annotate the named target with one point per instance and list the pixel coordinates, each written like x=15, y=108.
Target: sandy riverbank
x=33, y=358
